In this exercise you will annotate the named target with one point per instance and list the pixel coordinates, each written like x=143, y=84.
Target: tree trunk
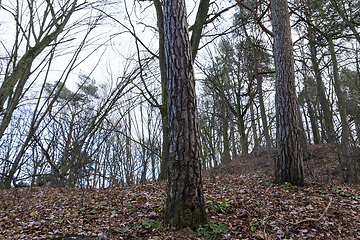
x=225, y=128
x=262, y=106
x=144, y=151
x=289, y=159
x=201, y=16
x=243, y=137
x=165, y=146
x=329, y=126
x=241, y=126
x=232, y=136
x=185, y=205
x=307, y=130
x=195, y=40
x=314, y=126
x=258, y=77
x=253, y=127
x=128, y=149
x=349, y=176
x=164, y=97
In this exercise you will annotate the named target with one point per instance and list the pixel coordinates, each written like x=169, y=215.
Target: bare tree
x=36, y=35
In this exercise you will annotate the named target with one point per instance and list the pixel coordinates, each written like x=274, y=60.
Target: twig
x=312, y=219
x=266, y=236
x=256, y=16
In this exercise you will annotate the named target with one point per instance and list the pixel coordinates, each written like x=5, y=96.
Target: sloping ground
x=243, y=205
x=322, y=167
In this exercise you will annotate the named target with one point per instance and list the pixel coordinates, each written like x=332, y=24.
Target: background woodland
x=83, y=97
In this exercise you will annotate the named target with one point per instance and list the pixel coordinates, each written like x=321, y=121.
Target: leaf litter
x=238, y=206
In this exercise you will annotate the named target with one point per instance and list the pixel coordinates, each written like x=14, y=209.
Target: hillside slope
x=242, y=204
x=322, y=167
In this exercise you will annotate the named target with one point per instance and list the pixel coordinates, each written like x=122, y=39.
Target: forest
x=174, y=119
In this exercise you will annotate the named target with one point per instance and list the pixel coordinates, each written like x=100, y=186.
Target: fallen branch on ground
x=313, y=219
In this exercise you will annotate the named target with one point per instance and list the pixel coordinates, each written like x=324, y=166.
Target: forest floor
x=242, y=202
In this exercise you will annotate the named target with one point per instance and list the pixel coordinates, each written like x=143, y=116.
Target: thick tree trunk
x=289, y=160
x=185, y=205
x=195, y=40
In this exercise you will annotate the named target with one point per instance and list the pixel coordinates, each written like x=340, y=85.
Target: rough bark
x=185, y=198
x=289, y=159
x=195, y=40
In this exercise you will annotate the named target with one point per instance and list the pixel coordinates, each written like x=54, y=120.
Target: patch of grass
x=130, y=207
x=253, y=226
x=219, y=207
x=212, y=230
x=151, y=224
x=288, y=186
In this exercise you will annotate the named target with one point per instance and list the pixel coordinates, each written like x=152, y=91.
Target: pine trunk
x=289, y=160
x=185, y=205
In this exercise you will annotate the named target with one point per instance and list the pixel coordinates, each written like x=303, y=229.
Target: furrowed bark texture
x=185, y=201
x=289, y=160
